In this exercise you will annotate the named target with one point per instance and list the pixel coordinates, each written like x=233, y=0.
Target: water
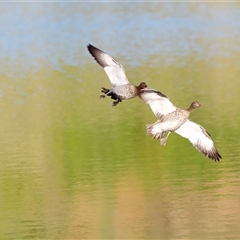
x=72, y=166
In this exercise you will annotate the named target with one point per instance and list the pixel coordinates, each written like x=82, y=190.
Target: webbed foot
x=115, y=103
x=163, y=141
x=105, y=90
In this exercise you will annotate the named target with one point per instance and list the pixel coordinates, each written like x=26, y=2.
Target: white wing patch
x=158, y=102
x=113, y=69
x=200, y=139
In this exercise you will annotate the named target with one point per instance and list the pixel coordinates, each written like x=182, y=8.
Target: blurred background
x=74, y=167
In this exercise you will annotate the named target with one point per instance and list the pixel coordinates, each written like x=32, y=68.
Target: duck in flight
x=121, y=89
x=173, y=119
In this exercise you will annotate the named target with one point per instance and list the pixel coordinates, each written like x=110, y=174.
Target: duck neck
x=139, y=87
x=190, y=108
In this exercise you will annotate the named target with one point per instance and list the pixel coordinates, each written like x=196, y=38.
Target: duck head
x=194, y=105
x=142, y=85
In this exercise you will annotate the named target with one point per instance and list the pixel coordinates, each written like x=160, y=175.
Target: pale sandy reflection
x=166, y=214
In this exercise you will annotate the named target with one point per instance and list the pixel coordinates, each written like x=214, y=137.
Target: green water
x=74, y=167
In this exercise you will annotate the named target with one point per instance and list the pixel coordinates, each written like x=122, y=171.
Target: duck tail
x=155, y=130
x=149, y=128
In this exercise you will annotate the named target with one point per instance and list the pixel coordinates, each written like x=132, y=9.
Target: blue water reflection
x=59, y=32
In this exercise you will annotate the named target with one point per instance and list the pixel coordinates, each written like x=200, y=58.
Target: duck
x=173, y=119
x=121, y=89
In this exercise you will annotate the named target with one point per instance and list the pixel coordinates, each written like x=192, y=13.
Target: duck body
x=126, y=91
x=172, y=120
x=121, y=89
x=122, y=92
x=169, y=122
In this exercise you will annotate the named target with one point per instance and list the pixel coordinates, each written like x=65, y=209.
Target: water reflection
x=74, y=167
x=166, y=34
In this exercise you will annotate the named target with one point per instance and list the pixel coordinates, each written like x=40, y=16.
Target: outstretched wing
x=200, y=139
x=158, y=102
x=113, y=69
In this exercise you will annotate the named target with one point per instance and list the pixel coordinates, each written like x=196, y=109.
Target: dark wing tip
x=218, y=157
x=154, y=91
x=92, y=48
x=210, y=153
x=161, y=94
x=97, y=55
x=214, y=155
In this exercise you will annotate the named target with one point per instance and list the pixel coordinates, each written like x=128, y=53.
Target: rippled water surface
x=74, y=167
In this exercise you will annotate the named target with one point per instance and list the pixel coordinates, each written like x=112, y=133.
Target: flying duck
x=121, y=89
x=173, y=119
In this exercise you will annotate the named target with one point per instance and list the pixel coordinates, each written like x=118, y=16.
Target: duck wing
x=158, y=102
x=113, y=69
x=200, y=139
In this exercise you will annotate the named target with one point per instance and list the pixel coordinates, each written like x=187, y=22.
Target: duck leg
x=102, y=96
x=106, y=92
x=115, y=103
x=163, y=141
